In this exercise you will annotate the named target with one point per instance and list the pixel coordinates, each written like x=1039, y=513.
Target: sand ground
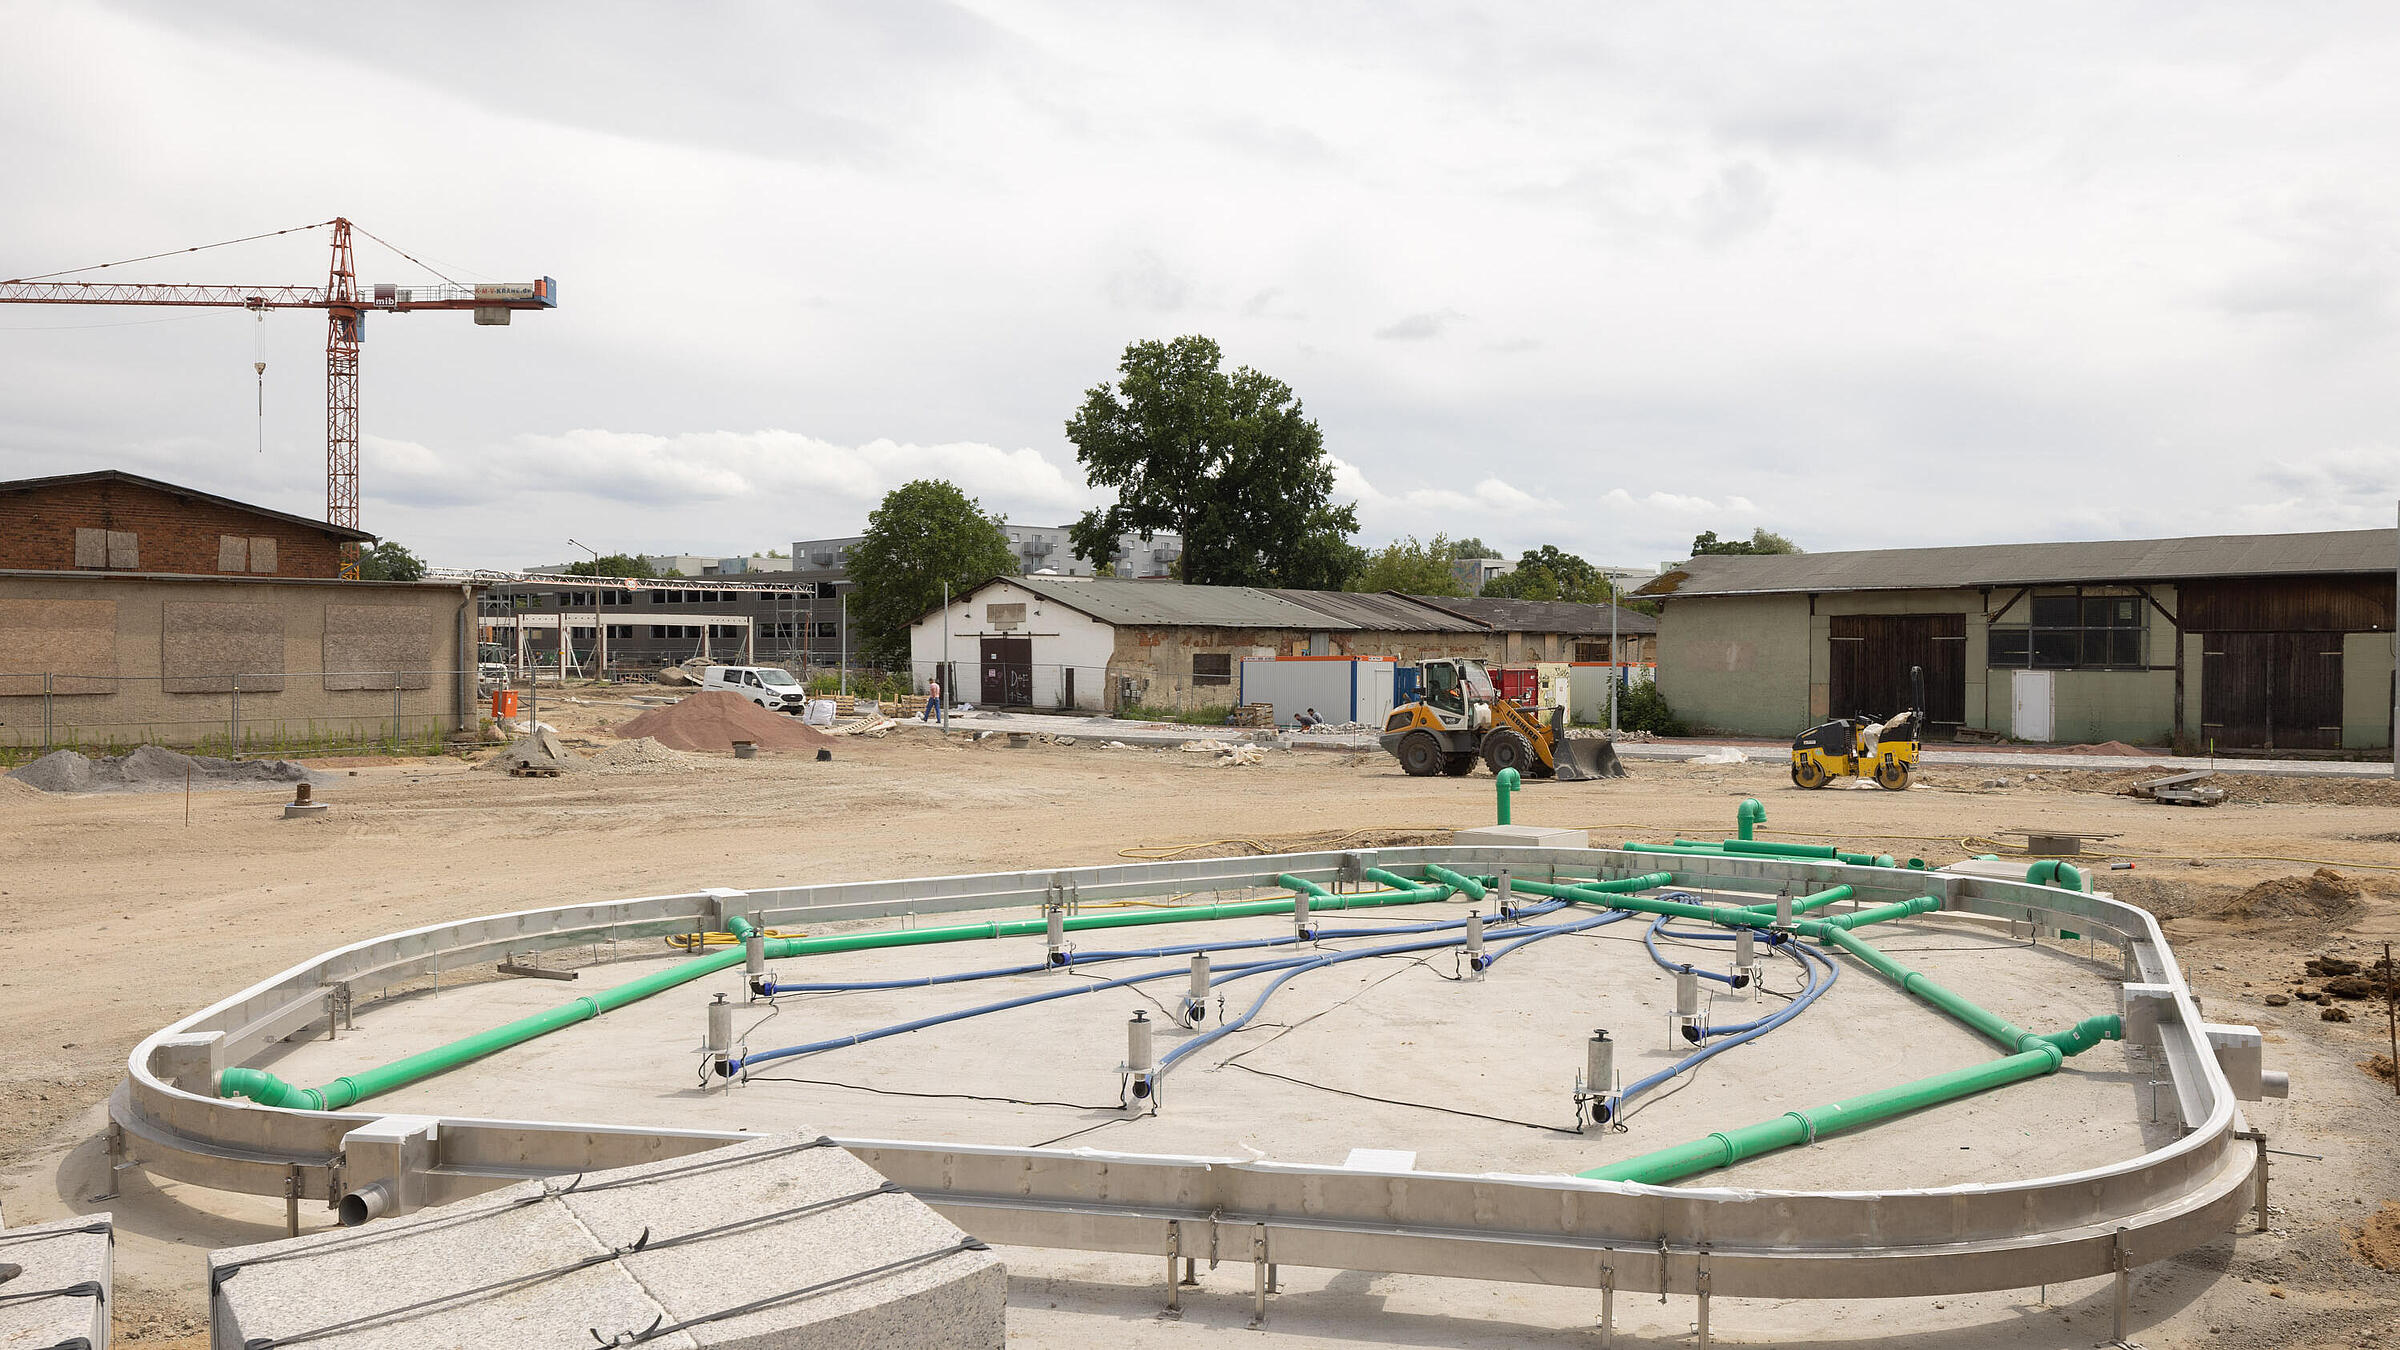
x=118, y=916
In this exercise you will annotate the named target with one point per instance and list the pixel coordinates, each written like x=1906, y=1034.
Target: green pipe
x=1503, y=783
x=2052, y=872
x=1805, y=903
x=1728, y=1147
x=1730, y=916
x=1749, y=814
x=1923, y=904
x=1762, y=849
x=1775, y=849
x=269, y=1090
x=737, y=925
x=2008, y=1034
x=1723, y=1149
x=265, y=1088
x=1469, y=886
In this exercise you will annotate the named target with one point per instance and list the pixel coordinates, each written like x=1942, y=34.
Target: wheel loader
x=1459, y=717
x=1861, y=747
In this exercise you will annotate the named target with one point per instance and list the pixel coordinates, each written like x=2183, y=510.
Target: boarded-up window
x=1592, y=651
x=262, y=553
x=72, y=641
x=1212, y=668
x=1005, y=616
x=370, y=646
x=107, y=548
x=233, y=553
x=210, y=645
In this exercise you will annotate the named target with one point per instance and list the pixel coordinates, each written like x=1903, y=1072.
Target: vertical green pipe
x=1503, y=783
x=1749, y=814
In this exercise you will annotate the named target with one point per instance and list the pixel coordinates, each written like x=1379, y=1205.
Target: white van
x=768, y=687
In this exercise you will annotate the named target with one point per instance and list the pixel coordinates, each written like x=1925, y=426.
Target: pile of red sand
x=715, y=719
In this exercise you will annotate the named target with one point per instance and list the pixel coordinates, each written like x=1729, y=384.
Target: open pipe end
x=365, y=1205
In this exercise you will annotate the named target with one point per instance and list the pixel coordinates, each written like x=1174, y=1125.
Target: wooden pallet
x=531, y=771
x=1254, y=715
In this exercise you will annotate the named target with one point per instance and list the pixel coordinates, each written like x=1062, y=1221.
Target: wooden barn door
x=2271, y=691
x=2306, y=713
x=1007, y=672
x=1873, y=652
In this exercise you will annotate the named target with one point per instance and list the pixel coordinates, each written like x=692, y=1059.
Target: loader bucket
x=1582, y=760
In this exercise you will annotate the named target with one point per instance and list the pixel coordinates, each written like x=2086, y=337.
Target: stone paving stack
x=772, y=1245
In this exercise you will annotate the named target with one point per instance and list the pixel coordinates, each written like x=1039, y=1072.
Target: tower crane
x=346, y=307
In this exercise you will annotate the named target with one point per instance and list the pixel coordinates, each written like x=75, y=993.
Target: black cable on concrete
x=936, y=1096
x=1394, y=1101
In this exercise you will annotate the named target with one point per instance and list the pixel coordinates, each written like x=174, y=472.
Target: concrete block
x=190, y=1060
x=812, y=1235
x=1524, y=836
x=71, y=1255
x=2242, y=1053
x=354, y=1278
x=938, y=1296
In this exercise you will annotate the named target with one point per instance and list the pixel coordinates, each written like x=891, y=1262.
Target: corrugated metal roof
x=1381, y=611
x=1173, y=605
x=2122, y=560
x=1541, y=616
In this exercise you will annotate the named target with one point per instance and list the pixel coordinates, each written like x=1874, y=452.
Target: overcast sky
x=1595, y=276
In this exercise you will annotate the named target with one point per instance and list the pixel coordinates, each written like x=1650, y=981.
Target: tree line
x=1227, y=460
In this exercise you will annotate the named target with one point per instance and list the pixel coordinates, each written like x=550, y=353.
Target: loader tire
x=1421, y=755
x=1505, y=748
x=1458, y=766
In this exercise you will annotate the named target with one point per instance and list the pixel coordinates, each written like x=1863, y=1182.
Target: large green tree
x=1761, y=540
x=1552, y=573
x=613, y=565
x=924, y=534
x=1411, y=568
x=1227, y=461
x=389, y=561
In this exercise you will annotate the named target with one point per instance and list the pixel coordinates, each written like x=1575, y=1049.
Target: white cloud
x=719, y=491
x=1721, y=273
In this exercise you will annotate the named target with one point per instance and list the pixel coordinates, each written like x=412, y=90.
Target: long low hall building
x=2273, y=642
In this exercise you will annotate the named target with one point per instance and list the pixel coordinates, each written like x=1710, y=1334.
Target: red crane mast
x=345, y=320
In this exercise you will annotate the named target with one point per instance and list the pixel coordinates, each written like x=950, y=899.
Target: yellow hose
x=689, y=941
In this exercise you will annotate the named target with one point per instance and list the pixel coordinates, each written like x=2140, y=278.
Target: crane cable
x=178, y=252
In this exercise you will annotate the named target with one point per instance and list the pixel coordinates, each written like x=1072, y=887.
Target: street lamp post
x=945, y=674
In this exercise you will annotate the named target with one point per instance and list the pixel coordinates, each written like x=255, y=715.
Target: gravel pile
x=155, y=769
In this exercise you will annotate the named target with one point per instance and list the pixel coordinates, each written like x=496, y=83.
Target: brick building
x=113, y=521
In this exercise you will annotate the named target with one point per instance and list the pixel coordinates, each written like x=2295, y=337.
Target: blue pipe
x=1492, y=957
x=1650, y=944
x=772, y=987
x=1708, y=1052
x=1169, y=1059
x=919, y=1024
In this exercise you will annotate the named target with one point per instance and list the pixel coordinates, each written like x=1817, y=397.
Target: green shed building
x=2277, y=642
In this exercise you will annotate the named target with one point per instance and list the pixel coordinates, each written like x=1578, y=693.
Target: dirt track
x=190, y=913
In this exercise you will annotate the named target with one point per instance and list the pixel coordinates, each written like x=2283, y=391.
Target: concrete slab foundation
x=1523, y=836
x=771, y=1245
x=59, y=1295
